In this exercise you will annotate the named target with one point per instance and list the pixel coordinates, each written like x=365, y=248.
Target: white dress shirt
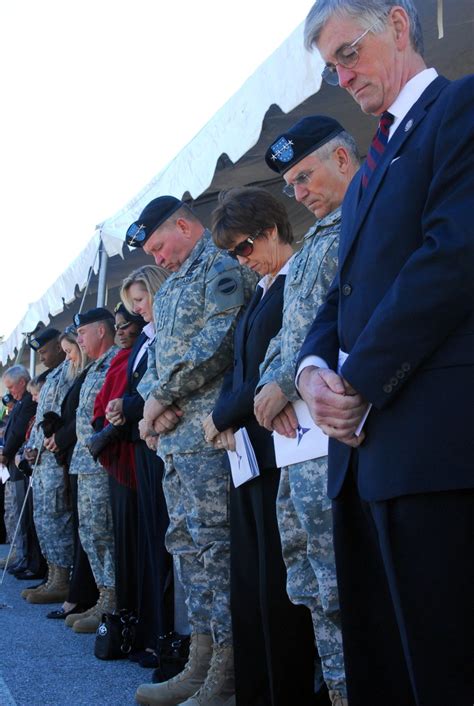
x=149, y=331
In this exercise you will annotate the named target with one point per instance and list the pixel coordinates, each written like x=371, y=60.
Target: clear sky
x=97, y=97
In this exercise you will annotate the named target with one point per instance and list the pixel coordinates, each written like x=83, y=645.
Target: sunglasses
x=124, y=326
x=243, y=249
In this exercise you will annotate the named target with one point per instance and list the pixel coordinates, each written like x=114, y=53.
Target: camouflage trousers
x=95, y=525
x=305, y=523
x=196, y=487
x=52, y=515
x=11, y=514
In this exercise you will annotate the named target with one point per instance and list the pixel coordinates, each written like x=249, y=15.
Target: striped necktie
x=377, y=147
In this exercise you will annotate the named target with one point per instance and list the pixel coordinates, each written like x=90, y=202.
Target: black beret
x=152, y=216
x=7, y=398
x=300, y=140
x=134, y=318
x=38, y=340
x=91, y=316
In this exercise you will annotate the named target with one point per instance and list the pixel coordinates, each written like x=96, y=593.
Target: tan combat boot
x=42, y=586
x=219, y=687
x=179, y=688
x=89, y=622
x=337, y=699
x=73, y=617
x=56, y=592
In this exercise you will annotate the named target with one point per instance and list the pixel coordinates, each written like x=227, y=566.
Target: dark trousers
x=123, y=501
x=82, y=587
x=155, y=572
x=405, y=577
x=35, y=560
x=274, y=651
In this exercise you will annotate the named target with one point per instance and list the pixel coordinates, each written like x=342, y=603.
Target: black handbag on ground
x=173, y=652
x=115, y=635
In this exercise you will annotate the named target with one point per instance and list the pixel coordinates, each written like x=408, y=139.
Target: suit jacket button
x=387, y=389
x=400, y=374
x=346, y=290
x=406, y=367
x=135, y=374
x=394, y=381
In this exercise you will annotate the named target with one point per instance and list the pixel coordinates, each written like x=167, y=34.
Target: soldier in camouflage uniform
x=195, y=312
x=95, y=329
x=52, y=514
x=318, y=159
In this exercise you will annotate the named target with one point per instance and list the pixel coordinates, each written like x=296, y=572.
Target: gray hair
x=16, y=373
x=369, y=13
x=343, y=139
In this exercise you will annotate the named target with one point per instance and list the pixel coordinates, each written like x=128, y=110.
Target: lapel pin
x=408, y=125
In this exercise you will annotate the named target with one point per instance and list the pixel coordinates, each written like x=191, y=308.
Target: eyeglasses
x=348, y=56
x=124, y=326
x=301, y=178
x=135, y=234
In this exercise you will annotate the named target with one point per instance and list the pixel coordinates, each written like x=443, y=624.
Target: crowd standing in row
x=370, y=323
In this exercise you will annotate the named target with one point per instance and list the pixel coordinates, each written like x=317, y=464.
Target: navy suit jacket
x=259, y=323
x=402, y=305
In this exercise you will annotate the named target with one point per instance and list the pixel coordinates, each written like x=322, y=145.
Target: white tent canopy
x=229, y=150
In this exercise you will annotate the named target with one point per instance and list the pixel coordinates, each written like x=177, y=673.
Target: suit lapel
x=360, y=201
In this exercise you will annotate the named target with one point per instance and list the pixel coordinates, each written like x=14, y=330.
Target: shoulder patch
x=227, y=284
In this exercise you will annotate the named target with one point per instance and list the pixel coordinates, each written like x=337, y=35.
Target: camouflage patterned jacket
x=311, y=271
x=82, y=461
x=195, y=311
x=50, y=399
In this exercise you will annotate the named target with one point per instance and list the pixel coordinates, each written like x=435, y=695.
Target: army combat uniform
x=93, y=500
x=195, y=312
x=52, y=514
x=303, y=508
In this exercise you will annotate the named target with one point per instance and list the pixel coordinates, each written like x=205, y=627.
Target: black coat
x=132, y=401
x=16, y=428
x=259, y=323
x=65, y=437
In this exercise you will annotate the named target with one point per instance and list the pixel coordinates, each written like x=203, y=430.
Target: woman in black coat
x=82, y=588
x=273, y=639
x=155, y=600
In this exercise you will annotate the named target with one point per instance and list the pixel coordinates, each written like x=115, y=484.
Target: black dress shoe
x=61, y=613
x=150, y=661
x=27, y=575
x=17, y=566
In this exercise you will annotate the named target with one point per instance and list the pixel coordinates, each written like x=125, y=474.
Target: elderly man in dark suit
x=396, y=339
x=16, y=379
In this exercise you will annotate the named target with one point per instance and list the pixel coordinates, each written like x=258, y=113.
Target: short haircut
x=150, y=277
x=16, y=373
x=184, y=212
x=109, y=325
x=248, y=210
x=343, y=139
x=367, y=12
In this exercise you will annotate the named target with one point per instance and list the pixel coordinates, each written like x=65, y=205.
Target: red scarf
x=117, y=458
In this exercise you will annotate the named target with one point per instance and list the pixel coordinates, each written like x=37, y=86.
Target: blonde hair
x=150, y=277
x=35, y=384
x=74, y=369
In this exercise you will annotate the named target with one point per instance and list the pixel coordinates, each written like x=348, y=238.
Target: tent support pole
x=102, y=284
x=32, y=362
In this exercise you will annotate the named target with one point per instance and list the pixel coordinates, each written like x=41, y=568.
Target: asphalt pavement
x=45, y=663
